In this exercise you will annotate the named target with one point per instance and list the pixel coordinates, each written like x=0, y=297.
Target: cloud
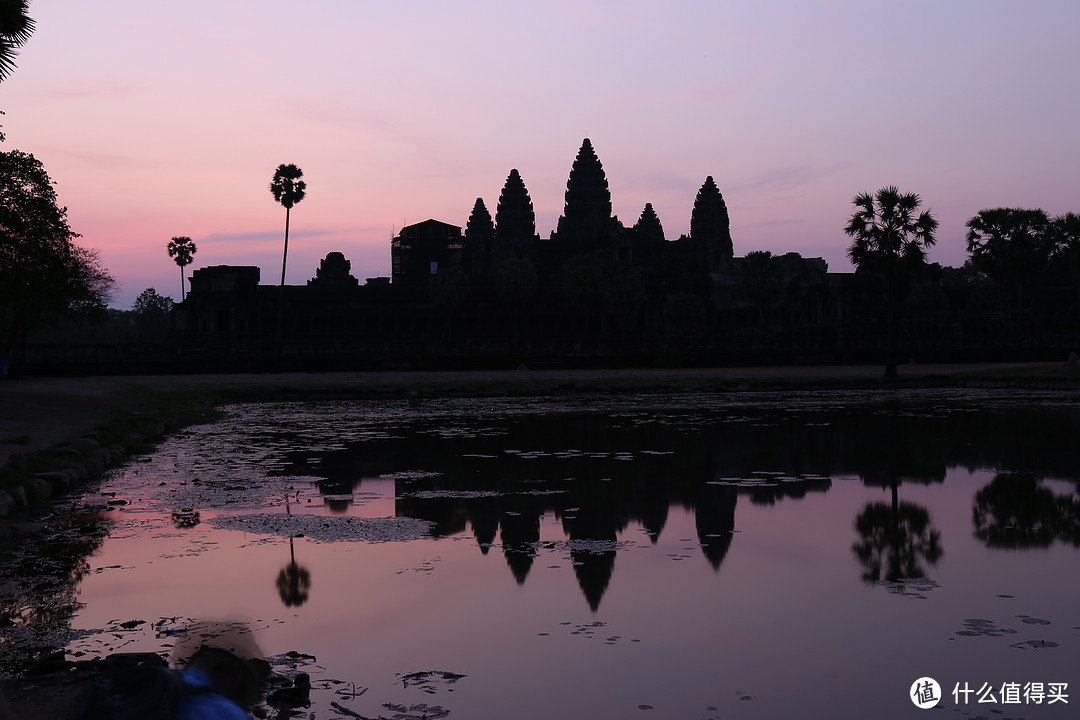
x=789, y=177
x=110, y=91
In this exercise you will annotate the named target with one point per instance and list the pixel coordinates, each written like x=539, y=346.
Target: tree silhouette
x=889, y=239
x=287, y=189
x=294, y=581
x=15, y=29
x=182, y=250
x=761, y=280
x=44, y=275
x=1066, y=229
x=894, y=539
x=150, y=312
x=1010, y=245
x=1016, y=512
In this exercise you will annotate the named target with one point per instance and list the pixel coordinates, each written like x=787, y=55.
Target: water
x=679, y=557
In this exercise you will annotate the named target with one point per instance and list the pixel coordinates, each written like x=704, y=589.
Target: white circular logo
x=925, y=693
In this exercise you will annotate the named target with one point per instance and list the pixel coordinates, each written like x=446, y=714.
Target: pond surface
x=752, y=556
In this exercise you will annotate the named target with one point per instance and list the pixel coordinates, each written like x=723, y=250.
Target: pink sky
x=163, y=119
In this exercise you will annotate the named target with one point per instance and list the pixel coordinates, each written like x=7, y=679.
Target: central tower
x=587, y=214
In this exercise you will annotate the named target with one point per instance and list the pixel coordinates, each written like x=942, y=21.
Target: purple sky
x=162, y=119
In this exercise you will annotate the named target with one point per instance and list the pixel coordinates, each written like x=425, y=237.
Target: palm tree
x=15, y=29
x=287, y=189
x=889, y=239
x=182, y=250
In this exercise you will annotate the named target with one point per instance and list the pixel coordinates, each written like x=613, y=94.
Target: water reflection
x=497, y=476
x=578, y=520
x=294, y=581
x=894, y=541
x=1016, y=512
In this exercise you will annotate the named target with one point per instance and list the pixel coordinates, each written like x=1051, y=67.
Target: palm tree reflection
x=294, y=581
x=894, y=539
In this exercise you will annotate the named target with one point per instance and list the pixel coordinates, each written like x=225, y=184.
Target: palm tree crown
x=886, y=230
x=287, y=189
x=182, y=250
x=15, y=29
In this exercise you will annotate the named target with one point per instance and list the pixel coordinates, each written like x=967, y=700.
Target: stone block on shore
x=59, y=482
x=7, y=504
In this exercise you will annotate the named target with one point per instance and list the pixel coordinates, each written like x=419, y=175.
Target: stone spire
x=515, y=221
x=648, y=226
x=479, y=239
x=587, y=212
x=710, y=228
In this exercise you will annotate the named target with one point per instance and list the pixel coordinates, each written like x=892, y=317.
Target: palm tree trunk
x=181, y=283
x=285, y=254
x=890, y=333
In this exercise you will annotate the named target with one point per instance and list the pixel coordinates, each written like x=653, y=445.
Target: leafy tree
x=182, y=250
x=894, y=540
x=1066, y=229
x=287, y=189
x=44, y=275
x=150, y=313
x=1010, y=245
x=150, y=303
x=761, y=280
x=889, y=239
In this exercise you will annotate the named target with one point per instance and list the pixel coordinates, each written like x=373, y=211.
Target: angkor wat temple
x=594, y=288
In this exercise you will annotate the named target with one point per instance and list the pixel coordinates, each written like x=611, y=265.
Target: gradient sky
x=162, y=119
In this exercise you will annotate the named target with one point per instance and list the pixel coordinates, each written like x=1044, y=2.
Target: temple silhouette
x=494, y=290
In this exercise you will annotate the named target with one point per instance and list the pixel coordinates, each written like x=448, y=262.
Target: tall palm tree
x=889, y=238
x=288, y=189
x=15, y=29
x=182, y=250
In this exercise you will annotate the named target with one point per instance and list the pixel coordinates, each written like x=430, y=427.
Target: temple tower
x=515, y=220
x=479, y=240
x=586, y=216
x=648, y=227
x=710, y=228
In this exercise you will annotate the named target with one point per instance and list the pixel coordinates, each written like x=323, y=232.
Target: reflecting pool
x=676, y=556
